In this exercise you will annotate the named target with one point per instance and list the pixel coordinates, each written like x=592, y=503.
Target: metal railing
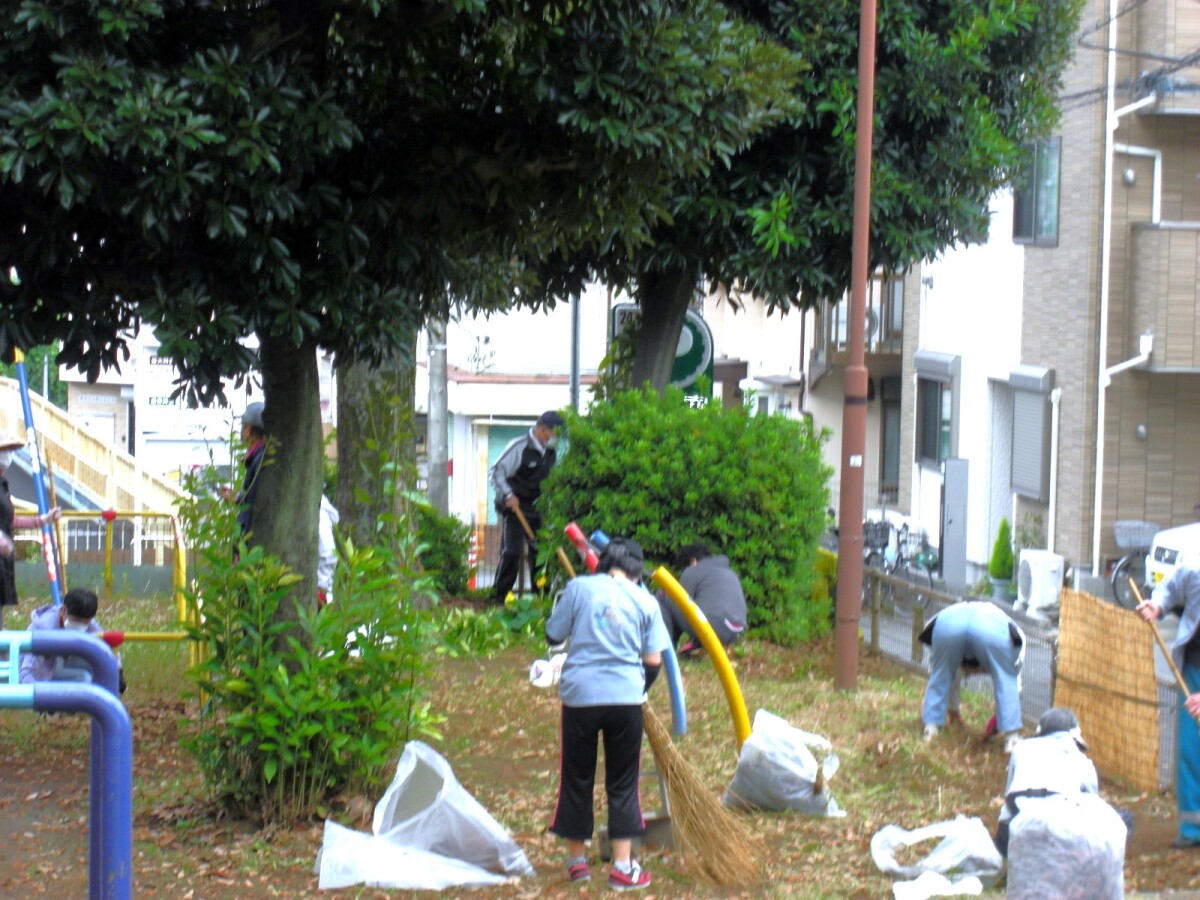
x=891, y=630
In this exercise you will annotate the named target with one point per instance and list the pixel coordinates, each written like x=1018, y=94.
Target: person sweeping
x=617, y=637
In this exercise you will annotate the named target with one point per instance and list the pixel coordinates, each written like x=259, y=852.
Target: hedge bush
x=753, y=487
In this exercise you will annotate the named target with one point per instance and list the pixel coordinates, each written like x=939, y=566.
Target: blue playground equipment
x=110, y=817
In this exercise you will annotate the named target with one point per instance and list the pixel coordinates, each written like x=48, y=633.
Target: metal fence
x=895, y=612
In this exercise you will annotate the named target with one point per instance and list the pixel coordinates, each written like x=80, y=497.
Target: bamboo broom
x=720, y=844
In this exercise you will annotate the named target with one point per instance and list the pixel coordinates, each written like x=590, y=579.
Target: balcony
x=884, y=337
x=1170, y=29
x=1165, y=292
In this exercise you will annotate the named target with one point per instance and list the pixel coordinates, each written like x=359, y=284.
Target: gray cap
x=1057, y=719
x=253, y=416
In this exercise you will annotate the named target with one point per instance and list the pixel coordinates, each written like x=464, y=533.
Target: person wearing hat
x=966, y=638
x=1053, y=762
x=616, y=637
x=1180, y=594
x=9, y=522
x=517, y=476
x=254, y=437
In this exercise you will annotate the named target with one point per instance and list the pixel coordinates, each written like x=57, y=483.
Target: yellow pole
x=708, y=640
x=108, y=551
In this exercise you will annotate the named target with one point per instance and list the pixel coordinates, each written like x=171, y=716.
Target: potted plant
x=1000, y=566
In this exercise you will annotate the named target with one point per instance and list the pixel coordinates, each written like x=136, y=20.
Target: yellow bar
x=708, y=640
x=155, y=635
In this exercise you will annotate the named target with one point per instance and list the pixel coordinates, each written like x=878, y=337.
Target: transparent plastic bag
x=427, y=833
x=777, y=771
x=966, y=848
x=1066, y=846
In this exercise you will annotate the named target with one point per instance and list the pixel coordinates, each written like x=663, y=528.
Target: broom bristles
x=720, y=844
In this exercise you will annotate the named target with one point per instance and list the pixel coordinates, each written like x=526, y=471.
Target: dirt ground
x=501, y=738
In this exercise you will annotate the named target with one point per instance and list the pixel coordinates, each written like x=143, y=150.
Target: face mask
x=73, y=625
x=5, y=459
x=552, y=442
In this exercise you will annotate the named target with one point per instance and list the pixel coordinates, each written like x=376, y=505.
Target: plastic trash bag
x=427, y=833
x=966, y=848
x=1066, y=846
x=544, y=673
x=934, y=884
x=777, y=771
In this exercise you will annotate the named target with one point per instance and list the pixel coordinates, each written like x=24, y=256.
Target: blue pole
x=111, y=876
x=106, y=675
x=35, y=461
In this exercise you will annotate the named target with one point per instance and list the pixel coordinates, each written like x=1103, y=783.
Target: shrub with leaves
x=298, y=708
x=445, y=543
x=752, y=487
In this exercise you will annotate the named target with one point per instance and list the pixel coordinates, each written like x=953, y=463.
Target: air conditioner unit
x=1040, y=582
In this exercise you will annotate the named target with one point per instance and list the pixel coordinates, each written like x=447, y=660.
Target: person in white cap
x=9, y=522
x=1053, y=762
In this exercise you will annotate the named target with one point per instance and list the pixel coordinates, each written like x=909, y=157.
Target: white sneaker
x=931, y=731
x=1011, y=740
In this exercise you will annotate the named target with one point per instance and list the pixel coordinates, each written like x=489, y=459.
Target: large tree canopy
x=324, y=173
x=961, y=85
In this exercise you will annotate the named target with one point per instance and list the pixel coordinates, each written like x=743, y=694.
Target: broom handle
x=524, y=523
x=1162, y=644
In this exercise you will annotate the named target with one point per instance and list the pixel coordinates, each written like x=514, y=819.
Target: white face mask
x=73, y=625
x=552, y=441
x=5, y=459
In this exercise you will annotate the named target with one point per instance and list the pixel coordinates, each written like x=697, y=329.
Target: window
x=933, y=420
x=937, y=402
x=1035, y=198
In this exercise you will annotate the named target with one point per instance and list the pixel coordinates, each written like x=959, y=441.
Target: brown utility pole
x=854, y=411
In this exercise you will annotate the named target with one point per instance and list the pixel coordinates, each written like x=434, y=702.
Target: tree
x=960, y=87
x=327, y=173
x=39, y=366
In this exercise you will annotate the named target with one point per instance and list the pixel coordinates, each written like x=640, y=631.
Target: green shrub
x=1001, y=563
x=445, y=544
x=752, y=487
x=298, y=706
x=469, y=632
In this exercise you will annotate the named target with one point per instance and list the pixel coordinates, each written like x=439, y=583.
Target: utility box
x=952, y=555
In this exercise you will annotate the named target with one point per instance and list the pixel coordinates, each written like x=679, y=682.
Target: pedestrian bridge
x=88, y=473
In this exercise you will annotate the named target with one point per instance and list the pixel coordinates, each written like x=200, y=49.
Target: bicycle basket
x=915, y=543
x=875, y=534
x=1134, y=534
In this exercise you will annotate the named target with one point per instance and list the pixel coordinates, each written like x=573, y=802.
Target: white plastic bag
x=1066, y=846
x=777, y=771
x=544, y=673
x=966, y=848
x=427, y=833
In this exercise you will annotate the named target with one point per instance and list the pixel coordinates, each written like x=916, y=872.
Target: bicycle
x=909, y=569
x=1134, y=538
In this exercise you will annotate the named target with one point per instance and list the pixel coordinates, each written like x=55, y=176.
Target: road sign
x=693, y=353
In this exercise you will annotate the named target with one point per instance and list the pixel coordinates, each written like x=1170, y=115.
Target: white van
x=1168, y=550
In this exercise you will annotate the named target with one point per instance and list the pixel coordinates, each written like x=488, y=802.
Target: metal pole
x=575, y=303
x=39, y=488
x=436, y=442
x=854, y=411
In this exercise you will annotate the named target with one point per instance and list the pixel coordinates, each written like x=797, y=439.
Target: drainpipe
x=1055, y=399
x=1103, y=375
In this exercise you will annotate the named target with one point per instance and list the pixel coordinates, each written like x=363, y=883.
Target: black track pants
x=621, y=727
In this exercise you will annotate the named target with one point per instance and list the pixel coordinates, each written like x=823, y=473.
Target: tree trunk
x=663, y=299
x=288, y=500
x=375, y=441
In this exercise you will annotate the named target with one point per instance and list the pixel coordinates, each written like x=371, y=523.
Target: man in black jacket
x=517, y=477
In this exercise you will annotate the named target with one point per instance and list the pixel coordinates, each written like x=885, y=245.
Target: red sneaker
x=579, y=871
x=633, y=880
